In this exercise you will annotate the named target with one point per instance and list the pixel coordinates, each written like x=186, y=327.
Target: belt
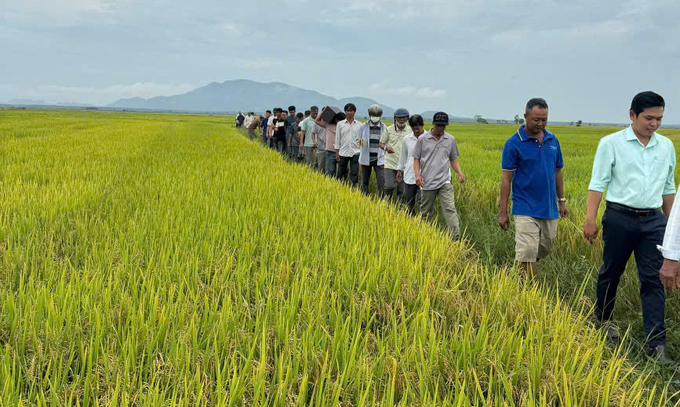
x=632, y=211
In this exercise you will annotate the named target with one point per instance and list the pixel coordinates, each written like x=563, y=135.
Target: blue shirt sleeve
x=510, y=156
x=559, y=161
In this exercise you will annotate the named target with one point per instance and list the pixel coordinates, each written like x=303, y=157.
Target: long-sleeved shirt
x=406, y=159
x=394, y=139
x=671, y=239
x=347, y=138
x=369, y=150
x=633, y=174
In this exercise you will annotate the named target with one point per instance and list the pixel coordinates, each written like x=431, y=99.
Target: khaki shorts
x=533, y=238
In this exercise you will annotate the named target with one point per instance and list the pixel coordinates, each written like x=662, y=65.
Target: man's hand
x=398, y=176
x=314, y=145
x=504, y=221
x=419, y=180
x=590, y=231
x=564, y=212
x=337, y=157
x=461, y=178
x=670, y=274
x=389, y=150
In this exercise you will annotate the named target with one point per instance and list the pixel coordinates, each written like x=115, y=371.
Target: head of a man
x=308, y=113
x=375, y=114
x=268, y=114
x=439, y=122
x=646, y=113
x=400, y=118
x=416, y=122
x=350, y=111
x=314, y=111
x=299, y=117
x=291, y=111
x=284, y=114
x=536, y=116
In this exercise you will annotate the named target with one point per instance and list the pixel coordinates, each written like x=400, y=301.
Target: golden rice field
x=166, y=260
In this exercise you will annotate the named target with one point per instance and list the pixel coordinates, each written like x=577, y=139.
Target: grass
x=167, y=260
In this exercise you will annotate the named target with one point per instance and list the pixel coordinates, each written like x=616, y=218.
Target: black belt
x=632, y=211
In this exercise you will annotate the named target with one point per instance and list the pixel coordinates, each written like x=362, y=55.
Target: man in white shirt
x=405, y=168
x=347, y=145
x=248, y=120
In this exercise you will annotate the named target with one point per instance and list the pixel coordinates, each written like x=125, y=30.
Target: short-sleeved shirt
x=633, y=174
x=270, y=122
x=294, y=138
x=534, y=191
x=289, y=120
x=320, y=137
x=279, y=129
x=307, y=126
x=254, y=124
x=394, y=139
x=435, y=159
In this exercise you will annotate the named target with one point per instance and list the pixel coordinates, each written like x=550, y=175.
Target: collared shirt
x=247, y=121
x=670, y=249
x=347, y=138
x=270, y=126
x=307, y=126
x=534, y=191
x=369, y=151
x=435, y=159
x=320, y=137
x=394, y=139
x=264, y=124
x=406, y=159
x=292, y=134
x=633, y=174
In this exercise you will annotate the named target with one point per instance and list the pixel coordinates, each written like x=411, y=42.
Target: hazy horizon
x=488, y=57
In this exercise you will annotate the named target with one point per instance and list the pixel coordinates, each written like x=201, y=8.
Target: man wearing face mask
x=433, y=153
x=391, y=142
x=371, y=156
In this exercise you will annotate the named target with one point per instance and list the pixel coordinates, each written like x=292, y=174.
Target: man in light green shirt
x=308, y=137
x=391, y=141
x=636, y=167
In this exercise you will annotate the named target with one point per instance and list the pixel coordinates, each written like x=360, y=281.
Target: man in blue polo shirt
x=532, y=166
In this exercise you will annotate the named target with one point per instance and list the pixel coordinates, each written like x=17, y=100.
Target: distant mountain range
x=245, y=95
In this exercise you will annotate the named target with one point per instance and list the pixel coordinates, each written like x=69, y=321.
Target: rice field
x=150, y=260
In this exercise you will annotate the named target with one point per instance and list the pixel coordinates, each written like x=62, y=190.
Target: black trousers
x=625, y=233
x=379, y=176
x=353, y=163
x=411, y=192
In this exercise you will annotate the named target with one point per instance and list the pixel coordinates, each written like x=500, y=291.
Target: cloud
x=111, y=93
x=409, y=90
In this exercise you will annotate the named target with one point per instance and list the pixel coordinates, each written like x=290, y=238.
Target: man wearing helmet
x=371, y=156
x=391, y=142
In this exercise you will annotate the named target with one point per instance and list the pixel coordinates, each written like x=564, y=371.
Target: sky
x=488, y=57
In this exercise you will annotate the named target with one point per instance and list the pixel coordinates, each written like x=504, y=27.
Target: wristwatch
x=561, y=199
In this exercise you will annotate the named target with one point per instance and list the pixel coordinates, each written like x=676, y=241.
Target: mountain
x=244, y=95
x=25, y=102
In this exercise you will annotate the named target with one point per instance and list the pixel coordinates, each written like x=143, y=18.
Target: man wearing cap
x=433, y=153
x=391, y=142
x=347, y=145
x=532, y=165
x=371, y=156
x=636, y=167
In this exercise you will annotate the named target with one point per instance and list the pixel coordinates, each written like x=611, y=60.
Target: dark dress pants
x=353, y=164
x=379, y=176
x=625, y=233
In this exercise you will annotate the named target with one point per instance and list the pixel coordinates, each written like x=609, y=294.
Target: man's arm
x=667, y=204
x=319, y=122
x=416, y=169
x=455, y=165
x=590, y=228
x=559, y=184
x=506, y=182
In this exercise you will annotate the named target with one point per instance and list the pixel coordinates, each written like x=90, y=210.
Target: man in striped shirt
x=371, y=156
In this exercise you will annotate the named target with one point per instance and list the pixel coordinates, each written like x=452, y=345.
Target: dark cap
x=440, y=118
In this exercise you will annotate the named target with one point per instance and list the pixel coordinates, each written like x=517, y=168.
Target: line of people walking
x=633, y=167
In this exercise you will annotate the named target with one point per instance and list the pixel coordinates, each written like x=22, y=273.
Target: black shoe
x=659, y=354
x=610, y=330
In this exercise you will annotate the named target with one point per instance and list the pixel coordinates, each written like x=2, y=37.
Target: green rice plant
x=166, y=260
